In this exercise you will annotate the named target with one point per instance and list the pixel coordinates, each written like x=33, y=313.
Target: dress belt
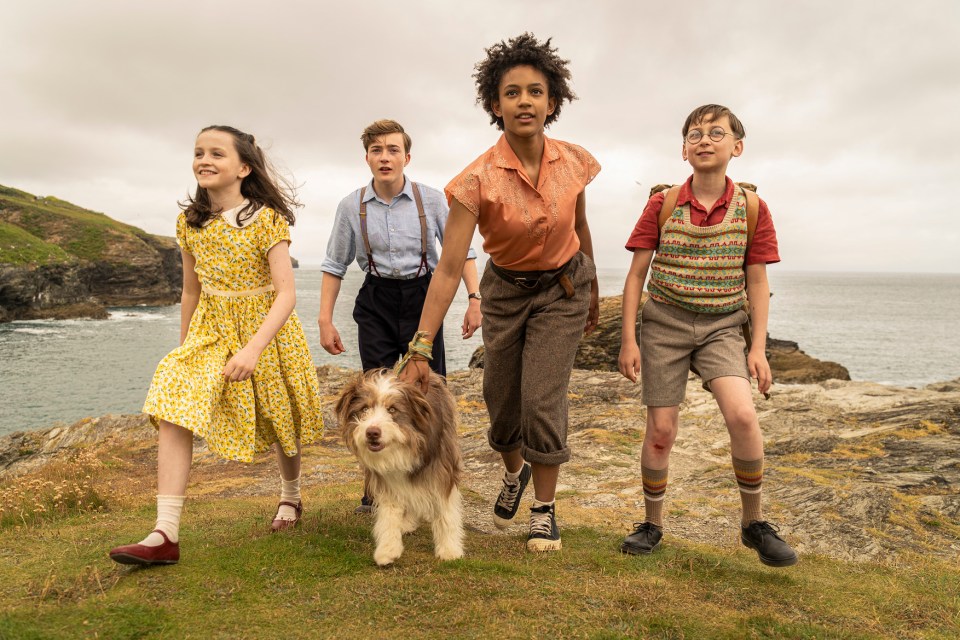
x=236, y=294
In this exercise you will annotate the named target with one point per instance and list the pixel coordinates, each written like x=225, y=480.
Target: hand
x=241, y=365
x=629, y=361
x=760, y=369
x=472, y=319
x=330, y=338
x=417, y=372
x=593, y=315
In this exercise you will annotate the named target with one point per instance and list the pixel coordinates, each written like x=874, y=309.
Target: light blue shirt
x=394, y=232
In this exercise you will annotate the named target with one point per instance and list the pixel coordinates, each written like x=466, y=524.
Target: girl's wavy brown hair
x=263, y=186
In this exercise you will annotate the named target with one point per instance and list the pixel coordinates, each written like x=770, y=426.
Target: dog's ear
x=423, y=419
x=344, y=402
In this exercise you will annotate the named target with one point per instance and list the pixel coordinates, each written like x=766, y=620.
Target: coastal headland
x=58, y=260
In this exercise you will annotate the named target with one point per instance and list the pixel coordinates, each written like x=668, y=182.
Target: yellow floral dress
x=281, y=401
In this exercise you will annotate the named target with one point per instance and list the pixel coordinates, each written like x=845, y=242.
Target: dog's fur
x=407, y=445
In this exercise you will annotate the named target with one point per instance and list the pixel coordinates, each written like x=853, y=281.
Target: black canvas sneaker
x=544, y=534
x=509, y=499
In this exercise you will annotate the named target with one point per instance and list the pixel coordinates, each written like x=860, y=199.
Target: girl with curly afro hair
x=526, y=194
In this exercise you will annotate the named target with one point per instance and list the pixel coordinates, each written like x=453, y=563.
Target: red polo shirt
x=646, y=234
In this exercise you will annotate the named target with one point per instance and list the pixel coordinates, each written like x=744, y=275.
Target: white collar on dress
x=230, y=215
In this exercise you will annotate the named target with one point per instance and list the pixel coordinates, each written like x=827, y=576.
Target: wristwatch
x=474, y=296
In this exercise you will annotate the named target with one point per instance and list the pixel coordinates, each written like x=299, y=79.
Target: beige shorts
x=672, y=339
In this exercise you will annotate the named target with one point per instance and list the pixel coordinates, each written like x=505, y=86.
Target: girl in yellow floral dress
x=242, y=378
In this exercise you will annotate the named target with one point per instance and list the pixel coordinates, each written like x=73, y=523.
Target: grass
x=65, y=488
x=54, y=222
x=237, y=581
x=18, y=246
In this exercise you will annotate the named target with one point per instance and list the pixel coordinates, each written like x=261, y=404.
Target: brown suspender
x=363, y=232
x=371, y=265
x=423, y=229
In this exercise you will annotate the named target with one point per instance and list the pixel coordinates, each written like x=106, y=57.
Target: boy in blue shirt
x=391, y=227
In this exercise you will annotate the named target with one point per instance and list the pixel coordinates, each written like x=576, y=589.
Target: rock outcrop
x=600, y=350
x=58, y=260
x=854, y=470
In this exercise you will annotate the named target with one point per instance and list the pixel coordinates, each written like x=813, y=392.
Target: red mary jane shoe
x=166, y=553
x=281, y=525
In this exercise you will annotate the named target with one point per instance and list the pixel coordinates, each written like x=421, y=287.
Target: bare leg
x=289, y=465
x=735, y=399
x=174, y=457
x=545, y=481
x=663, y=423
x=512, y=460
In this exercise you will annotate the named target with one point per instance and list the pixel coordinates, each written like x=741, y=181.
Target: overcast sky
x=850, y=107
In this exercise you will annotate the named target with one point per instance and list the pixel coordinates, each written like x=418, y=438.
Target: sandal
x=280, y=524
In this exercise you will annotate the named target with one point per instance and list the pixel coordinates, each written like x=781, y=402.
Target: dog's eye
x=392, y=410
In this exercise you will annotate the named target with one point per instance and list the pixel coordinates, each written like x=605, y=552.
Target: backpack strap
x=753, y=207
x=753, y=212
x=670, y=196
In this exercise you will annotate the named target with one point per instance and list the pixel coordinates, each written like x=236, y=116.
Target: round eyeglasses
x=716, y=134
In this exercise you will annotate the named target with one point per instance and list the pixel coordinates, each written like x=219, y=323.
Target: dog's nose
x=373, y=433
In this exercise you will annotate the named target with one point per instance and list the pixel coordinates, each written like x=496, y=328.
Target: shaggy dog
x=407, y=443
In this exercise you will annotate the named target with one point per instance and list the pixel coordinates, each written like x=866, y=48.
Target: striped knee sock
x=749, y=475
x=654, y=488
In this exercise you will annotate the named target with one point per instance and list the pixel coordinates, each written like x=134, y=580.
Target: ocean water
x=889, y=328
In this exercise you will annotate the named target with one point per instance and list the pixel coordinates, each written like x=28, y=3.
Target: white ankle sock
x=289, y=492
x=168, y=520
x=512, y=478
x=539, y=503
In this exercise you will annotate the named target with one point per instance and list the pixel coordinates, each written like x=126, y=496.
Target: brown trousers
x=530, y=341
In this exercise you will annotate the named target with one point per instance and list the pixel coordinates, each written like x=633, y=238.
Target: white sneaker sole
x=539, y=545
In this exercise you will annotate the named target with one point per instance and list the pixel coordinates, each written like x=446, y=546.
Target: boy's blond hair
x=382, y=128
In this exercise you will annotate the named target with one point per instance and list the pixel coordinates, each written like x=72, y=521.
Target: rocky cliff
x=58, y=260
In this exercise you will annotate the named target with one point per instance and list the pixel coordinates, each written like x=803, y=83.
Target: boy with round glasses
x=706, y=263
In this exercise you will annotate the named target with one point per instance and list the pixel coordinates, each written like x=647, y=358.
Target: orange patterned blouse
x=526, y=227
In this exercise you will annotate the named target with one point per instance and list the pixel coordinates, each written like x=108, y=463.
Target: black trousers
x=387, y=313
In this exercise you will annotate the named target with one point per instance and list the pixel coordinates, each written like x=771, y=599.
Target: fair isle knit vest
x=701, y=268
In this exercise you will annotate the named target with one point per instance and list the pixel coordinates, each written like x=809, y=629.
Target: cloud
x=848, y=107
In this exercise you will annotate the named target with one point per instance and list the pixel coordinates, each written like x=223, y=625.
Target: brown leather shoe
x=281, y=525
x=166, y=553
